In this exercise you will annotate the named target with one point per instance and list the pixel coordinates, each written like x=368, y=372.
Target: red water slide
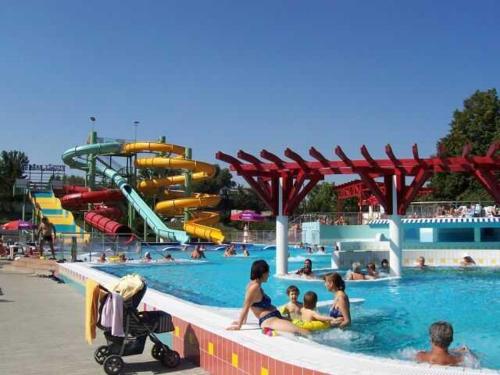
x=102, y=217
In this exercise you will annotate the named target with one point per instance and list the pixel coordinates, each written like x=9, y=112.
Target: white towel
x=112, y=314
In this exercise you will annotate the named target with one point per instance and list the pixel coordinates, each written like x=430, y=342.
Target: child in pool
x=292, y=309
x=309, y=313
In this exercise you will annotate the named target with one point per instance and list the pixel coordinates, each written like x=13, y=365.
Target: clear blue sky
x=225, y=75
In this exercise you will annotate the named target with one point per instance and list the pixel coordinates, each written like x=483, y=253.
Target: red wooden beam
x=489, y=182
x=482, y=167
x=293, y=203
x=258, y=165
x=323, y=161
x=394, y=160
x=260, y=188
x=412, y=191
x=295, y=190
x=492, y=150
x=367, y=180
x=289, y=153
x=368, y=157
x=466, y=151
x=251, y=159
x=279, y=163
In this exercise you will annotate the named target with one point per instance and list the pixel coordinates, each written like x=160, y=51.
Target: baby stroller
x=137, y=326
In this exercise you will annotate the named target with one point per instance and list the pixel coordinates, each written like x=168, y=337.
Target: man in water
x=441, y=335
x=48, y=234
x=421, y=263
x=307, y=269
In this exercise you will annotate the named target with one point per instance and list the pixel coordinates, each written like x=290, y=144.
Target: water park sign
x=46, y=167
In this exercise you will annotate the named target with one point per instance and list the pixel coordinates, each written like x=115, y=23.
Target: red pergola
x=299, y=176
x=357, y=189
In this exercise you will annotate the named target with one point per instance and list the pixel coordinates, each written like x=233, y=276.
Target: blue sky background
x=225, y=75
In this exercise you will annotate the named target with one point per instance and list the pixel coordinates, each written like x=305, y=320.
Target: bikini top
x=264, y=303
x=335, y=313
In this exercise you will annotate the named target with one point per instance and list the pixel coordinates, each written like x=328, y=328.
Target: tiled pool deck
x=41, y=330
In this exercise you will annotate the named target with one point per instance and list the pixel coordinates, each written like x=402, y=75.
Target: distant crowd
x=474, y=210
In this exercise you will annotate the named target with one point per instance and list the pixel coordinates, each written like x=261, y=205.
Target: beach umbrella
x=247, y=215
x=18, y=225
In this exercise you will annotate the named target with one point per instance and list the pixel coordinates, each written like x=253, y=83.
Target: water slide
x=102, y=217
x=175, y=201
x=47, y=204
x=76, y=157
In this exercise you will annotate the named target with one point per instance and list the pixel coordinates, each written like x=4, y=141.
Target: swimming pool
x=393, y=320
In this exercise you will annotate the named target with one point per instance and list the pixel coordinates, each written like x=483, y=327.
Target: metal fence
x=451, y=209
x=262, y=236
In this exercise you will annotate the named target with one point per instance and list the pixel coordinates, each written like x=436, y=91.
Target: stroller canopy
x=128, y=286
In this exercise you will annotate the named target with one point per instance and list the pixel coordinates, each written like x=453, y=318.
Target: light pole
x=92, y=120
x=91, y=157
x=136, y=124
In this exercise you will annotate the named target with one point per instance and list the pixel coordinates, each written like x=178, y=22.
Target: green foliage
x=222, y=180
x=74, y=180
x=12, y=165
x=478, y=124
x=246, y=199
x=322, y=198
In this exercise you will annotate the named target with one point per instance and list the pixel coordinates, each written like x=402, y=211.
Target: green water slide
x=76, y=157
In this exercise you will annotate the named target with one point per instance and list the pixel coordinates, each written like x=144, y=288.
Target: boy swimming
x=309, y=313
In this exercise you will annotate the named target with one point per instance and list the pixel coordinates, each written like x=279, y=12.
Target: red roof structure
x=299, y=176
x=357, y=189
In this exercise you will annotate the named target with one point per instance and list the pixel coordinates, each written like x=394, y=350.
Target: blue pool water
x=392, y=322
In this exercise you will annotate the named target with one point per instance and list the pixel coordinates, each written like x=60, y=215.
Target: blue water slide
x=76, y=158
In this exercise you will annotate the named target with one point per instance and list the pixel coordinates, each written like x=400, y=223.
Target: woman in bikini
x=340, y=309
x=260, y=304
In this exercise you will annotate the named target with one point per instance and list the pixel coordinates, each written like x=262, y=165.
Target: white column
x=395, y=234
x=281, y=235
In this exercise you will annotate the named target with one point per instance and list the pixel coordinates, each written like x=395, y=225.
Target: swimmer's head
x=441, y=334
x=310, y=300
x=293, y=292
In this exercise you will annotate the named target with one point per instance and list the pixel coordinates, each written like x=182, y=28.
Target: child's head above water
x=293, y=293
x=310, y=300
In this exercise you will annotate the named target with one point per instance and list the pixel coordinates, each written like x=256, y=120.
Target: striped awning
x=442, y=220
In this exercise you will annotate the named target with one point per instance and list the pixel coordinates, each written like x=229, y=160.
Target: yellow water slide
x=176, y=201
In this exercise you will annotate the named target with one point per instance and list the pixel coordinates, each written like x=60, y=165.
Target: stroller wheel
x=101, y=353
x=113, y=365
x=171, y=359
x=157, y=351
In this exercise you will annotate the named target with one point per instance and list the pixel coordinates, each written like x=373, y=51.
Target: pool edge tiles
x=200, y=337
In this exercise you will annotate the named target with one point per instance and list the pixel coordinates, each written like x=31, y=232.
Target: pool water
x=392, y=322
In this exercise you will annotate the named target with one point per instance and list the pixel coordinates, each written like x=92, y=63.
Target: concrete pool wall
x=200, y=336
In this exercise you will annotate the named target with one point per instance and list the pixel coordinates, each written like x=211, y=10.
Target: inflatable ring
x=314, y=325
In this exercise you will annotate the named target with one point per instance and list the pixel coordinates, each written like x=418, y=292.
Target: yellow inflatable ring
x=314, y=325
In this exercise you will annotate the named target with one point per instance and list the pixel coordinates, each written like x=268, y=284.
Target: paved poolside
x=41, y=331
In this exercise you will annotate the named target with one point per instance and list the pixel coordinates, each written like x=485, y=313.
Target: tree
x=322, y=198
x=478, y=124
x=74, y=180
x=12, y=166
x=221, y=180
